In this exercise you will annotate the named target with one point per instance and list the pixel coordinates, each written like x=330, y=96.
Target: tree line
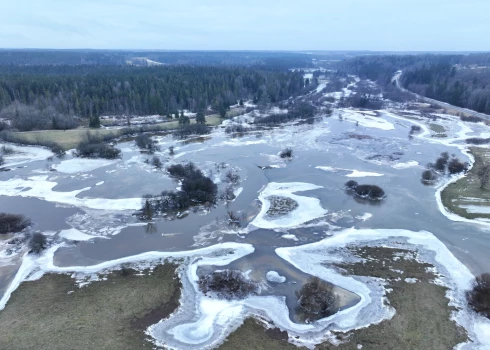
x=87, y=91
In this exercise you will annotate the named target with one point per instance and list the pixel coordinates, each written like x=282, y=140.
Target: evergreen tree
x=200, y=118
x=94, y=122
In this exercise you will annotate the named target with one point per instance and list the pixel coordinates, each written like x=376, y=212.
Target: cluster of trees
x=371, y=192
x=88, y=91
x=95, y=146
x=34, y=117
x=444, y=164
x=227, y=284
x=196, y=188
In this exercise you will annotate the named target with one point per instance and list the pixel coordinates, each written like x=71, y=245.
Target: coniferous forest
x=97, y=90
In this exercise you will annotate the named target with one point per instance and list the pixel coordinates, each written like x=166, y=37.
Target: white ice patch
x=406, y=165
x=366, y=120
x=353, y=173
x=308, y=208
x=273, y=276
x=290, y=236
x=79, y=165
x=40, y=187
x=99, y=183
x=76, y=235
x=357, y=173
x=25, y=154
x=364, y=217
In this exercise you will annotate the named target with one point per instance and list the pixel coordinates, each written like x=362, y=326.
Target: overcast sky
x=394, y=25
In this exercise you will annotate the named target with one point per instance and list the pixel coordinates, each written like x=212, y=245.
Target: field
x=71, y=138
x=53, y=313
x=465, y=197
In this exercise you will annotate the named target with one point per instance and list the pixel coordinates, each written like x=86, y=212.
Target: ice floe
x=76, y=235
x=352, y=173
x=40, y=187
x=406, y=165
x=78, y=165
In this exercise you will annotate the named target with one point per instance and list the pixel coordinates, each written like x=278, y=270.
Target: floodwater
x=340, y=145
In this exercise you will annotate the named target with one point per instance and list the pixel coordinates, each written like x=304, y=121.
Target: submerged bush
x=316, y=298
x=351, y=185
x=370, y=191
x=227, y=284
x=12, y=223
x=429, y=176
x=455, y=166
x=479, y=296
x=145, y=142
x=286, y=153
x=37, y=243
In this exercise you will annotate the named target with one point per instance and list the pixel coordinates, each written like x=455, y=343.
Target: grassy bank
x=422, y=319
x=467, y=192
x=71, y=138
x=53, y=313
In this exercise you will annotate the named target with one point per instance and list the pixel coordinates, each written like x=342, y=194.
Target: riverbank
x=465, y=197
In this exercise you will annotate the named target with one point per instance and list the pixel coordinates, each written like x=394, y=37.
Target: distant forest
x=461, y=80
x=87, y=91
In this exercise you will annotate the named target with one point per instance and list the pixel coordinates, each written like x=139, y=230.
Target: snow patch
x=273, y=276
x=308, y=208
x=79, y=165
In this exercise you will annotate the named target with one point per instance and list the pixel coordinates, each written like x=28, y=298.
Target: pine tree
x=94, y=122
x=200, y=118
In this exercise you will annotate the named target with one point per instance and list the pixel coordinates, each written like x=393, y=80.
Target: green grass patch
x=53, y=313
x=71, y=138
x=467, y=190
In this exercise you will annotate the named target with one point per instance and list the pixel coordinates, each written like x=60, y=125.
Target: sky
x=378, y=25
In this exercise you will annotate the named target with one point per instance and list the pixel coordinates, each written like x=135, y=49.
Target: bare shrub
x=232, y=177
x=479, y=296
x=286, y=153
x=227, y=284
x=156, y=162
x=429, y=176
x=37, y=243
x=455, y=166
x=12, y=223
x=351, y=185
x=316, y=298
